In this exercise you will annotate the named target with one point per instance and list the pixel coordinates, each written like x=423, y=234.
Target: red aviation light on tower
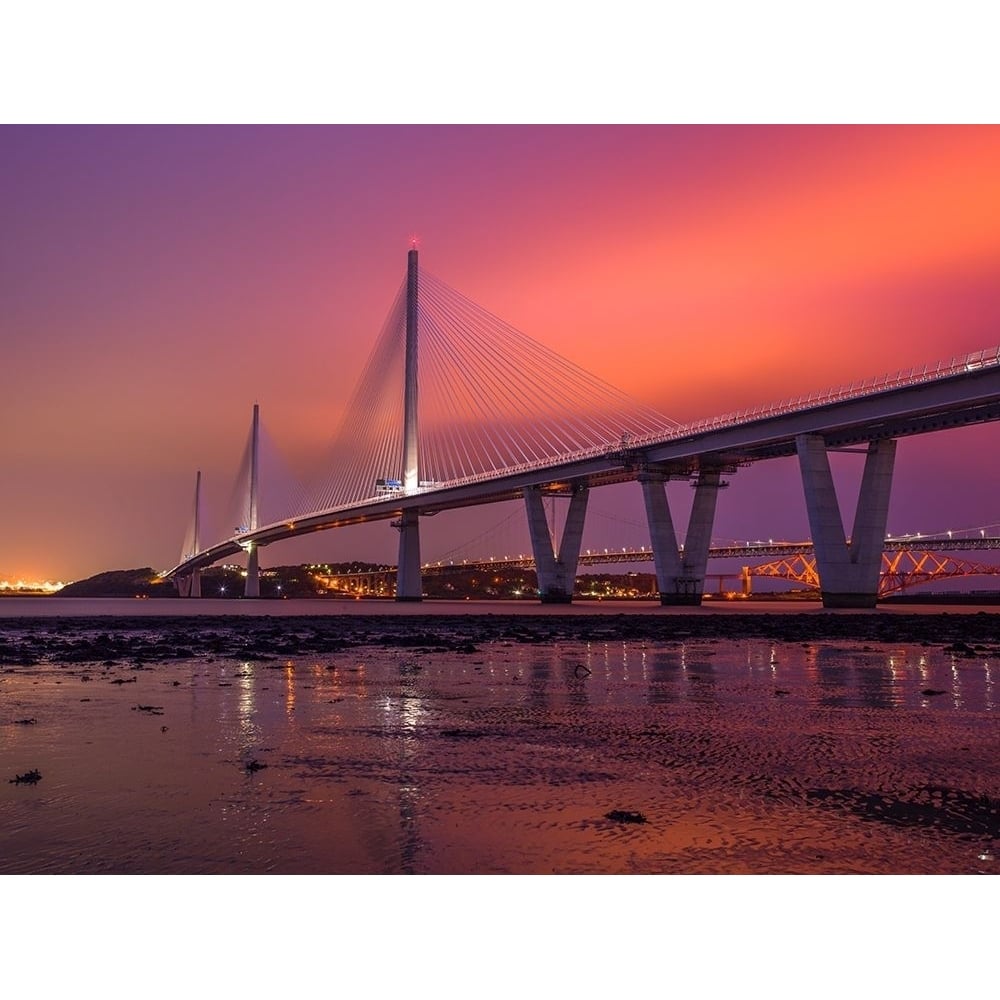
x=414, y=242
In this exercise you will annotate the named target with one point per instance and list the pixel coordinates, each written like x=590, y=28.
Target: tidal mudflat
x=512, y=744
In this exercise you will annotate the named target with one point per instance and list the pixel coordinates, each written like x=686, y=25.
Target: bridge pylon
x=409, y=586
x=848, y=571
x=252, y=586
x=556, y=571
x=190, y=584
x=680, y=573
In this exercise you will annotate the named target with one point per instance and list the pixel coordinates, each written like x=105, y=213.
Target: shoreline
x=95, y=638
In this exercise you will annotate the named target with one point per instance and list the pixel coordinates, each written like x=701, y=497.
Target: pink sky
x=156, y=282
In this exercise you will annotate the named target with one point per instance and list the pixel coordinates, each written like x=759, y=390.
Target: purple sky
x=155, y=282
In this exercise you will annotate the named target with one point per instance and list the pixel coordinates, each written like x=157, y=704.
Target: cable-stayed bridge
x=457, y=408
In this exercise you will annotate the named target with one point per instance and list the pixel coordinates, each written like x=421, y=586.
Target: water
x=74, y=607
x=741, y=755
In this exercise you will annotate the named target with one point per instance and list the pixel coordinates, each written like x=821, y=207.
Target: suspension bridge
x=457, y=408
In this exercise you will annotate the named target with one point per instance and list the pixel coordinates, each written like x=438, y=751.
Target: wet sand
x=688, y=743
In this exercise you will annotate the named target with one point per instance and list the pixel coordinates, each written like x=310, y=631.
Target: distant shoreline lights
x=30, y=586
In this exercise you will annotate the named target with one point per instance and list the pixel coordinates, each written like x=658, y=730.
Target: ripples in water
x=741, y=756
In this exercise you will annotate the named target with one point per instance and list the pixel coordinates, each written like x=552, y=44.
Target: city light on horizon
x=32, y=586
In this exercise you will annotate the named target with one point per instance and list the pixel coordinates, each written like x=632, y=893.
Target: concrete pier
x=848, y=570
x=680, y=573
x=409, y=584
x=252, y=586
x=190, y=585
x=556, y=571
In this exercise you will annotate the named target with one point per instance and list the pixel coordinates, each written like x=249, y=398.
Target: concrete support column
x=409, y=585
x=699, y=534
x=848, y=571
x=252, y=587
x=662, y=537
x=872, y=513
x=680, y=575
x=189, y=586
x=572, y=536
x=556, y=573
x=541, y=540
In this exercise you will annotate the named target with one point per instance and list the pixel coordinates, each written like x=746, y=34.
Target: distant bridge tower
x=190, y=586
x=409, y=586
x=252, y=588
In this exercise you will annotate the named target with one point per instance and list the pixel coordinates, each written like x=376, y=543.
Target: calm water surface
x=741, y=756
x=69, y=607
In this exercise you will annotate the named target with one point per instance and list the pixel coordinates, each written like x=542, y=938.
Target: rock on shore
x=139, y=640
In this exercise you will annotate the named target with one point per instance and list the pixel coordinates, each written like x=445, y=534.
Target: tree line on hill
x=357, y=579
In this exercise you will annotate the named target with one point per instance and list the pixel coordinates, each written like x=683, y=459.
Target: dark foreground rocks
x=625, y=816
x=135, y=642
x=28, y=778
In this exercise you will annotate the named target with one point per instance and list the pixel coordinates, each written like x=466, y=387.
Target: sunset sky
x=156, y=282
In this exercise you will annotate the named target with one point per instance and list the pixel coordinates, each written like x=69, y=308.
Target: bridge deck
x=958, y=393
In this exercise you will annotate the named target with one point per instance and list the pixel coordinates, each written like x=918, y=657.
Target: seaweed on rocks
x=28, y=778
x=625, y=816
x=138, y=640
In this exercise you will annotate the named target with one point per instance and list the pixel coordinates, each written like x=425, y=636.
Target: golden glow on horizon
x=31, y=586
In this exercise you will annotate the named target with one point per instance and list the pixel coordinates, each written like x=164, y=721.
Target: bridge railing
x=867, y=387
x=855, y=390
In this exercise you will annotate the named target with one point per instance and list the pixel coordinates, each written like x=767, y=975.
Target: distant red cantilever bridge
x=904, y=564
x=902, y=569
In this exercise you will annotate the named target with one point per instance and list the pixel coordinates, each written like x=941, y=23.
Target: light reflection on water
x=747, y=756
